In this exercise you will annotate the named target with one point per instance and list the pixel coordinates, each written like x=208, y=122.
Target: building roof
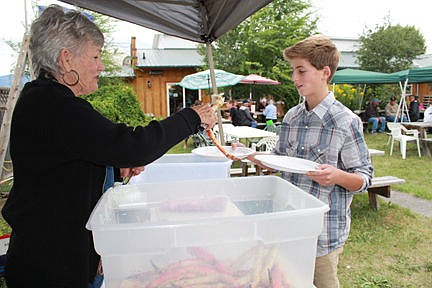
x=424, y=60
x=162, y=58
x=6, y=80
x=348, y=60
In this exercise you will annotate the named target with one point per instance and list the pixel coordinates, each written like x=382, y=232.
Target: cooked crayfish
x=219, y=146
x=257, y=267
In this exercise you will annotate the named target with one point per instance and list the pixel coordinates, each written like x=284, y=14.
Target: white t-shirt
x=428, y=114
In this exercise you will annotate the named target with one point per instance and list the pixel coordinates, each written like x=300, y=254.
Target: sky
x=338, y=18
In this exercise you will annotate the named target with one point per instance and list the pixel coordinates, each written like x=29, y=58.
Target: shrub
x=348, y=95
x=118, y=103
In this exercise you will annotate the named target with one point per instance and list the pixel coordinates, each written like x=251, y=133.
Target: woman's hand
x=207, y=115
x=127, y=173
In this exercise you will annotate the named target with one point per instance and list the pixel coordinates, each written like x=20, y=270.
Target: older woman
x=60, y=147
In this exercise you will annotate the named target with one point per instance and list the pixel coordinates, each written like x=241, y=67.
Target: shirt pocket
x=319, y=153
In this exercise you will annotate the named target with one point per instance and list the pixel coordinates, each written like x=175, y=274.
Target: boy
x=321, y=129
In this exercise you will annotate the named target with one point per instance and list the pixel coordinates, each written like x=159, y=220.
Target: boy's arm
x=330, y=175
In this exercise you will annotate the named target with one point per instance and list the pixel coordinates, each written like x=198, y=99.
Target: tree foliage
x=390, y=48
x=257, y=44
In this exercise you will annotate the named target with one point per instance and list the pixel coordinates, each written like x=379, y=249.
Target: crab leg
x=219, y=146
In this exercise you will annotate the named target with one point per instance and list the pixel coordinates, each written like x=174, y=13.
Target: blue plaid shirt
x=328, y=134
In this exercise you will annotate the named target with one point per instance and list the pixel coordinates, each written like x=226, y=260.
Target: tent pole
x=214, y=90
x=402, y=103
x=362, y=97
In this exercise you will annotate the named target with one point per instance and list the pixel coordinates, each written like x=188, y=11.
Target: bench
x=246, y=171
x=381, y=186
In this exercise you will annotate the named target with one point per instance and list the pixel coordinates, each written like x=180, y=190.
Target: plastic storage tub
x=258, y=231
x=176, y=167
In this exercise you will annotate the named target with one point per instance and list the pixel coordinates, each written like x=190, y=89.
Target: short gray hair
x=56, y=29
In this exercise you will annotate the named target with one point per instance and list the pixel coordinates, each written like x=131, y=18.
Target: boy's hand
x=327, y=175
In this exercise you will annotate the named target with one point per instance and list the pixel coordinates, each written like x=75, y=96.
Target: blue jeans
x=375, y=121
x=392, y=118
x=109, y=182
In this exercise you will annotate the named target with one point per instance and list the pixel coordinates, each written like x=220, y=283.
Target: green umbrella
x=202, y=80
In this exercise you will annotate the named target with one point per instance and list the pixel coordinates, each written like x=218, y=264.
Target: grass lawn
x=416, y=171
x=388, y=248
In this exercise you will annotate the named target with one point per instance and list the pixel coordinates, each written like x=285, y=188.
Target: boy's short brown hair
x=319, y=50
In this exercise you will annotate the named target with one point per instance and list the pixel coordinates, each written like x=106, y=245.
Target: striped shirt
x=328, y=134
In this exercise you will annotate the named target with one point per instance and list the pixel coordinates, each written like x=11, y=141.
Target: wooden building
x=157, y=72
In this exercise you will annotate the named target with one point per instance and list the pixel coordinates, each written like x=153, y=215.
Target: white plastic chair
x=413, y=132
x=396, y=135
x=266, y=144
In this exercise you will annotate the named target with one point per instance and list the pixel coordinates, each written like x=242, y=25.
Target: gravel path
x=415, y=204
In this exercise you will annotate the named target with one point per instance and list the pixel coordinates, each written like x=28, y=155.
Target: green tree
x=257, y=44
x=390, y=48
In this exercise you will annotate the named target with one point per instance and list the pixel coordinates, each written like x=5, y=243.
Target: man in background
x=373, y=116
x=391, y=111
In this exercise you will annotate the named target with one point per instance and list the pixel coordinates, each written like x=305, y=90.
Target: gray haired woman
x=60, y=147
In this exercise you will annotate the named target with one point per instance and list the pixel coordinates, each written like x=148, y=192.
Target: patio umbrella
x=201, y=80
x=257, y=79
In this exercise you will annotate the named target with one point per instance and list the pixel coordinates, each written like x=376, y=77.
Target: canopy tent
x=355, y=76
x=415, y=75
x=196, y=20
x=200, y=21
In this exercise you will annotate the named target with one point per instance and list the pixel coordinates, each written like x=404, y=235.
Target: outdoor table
x=246, y=132
x=421, y=127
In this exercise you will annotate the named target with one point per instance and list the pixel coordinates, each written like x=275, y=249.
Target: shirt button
x=306, y=127
x=302, y=148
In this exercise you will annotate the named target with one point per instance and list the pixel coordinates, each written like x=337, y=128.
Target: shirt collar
x=321, y=109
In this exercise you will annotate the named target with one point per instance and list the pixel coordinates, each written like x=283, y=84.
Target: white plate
x=213, y=152
x=287, y=163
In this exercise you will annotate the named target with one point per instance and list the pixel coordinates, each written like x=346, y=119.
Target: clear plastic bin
x=176, y=167
x=233, y=232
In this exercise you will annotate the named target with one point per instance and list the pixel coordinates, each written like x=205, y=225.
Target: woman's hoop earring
x=74, y=74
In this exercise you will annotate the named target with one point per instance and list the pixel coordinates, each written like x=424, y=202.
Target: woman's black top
x=60, y=147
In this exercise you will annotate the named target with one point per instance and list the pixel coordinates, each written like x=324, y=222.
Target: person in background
x=323, y=130
x=414, y=110
x=428, y=114
x=391, y=111
x=60, y=148
x=270, y=112
x=261, y=106
x=374, y=117
x=246, y=116
x=234, y=114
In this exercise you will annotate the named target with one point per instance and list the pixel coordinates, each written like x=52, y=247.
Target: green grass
x=416, y=171
x=390, y=247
